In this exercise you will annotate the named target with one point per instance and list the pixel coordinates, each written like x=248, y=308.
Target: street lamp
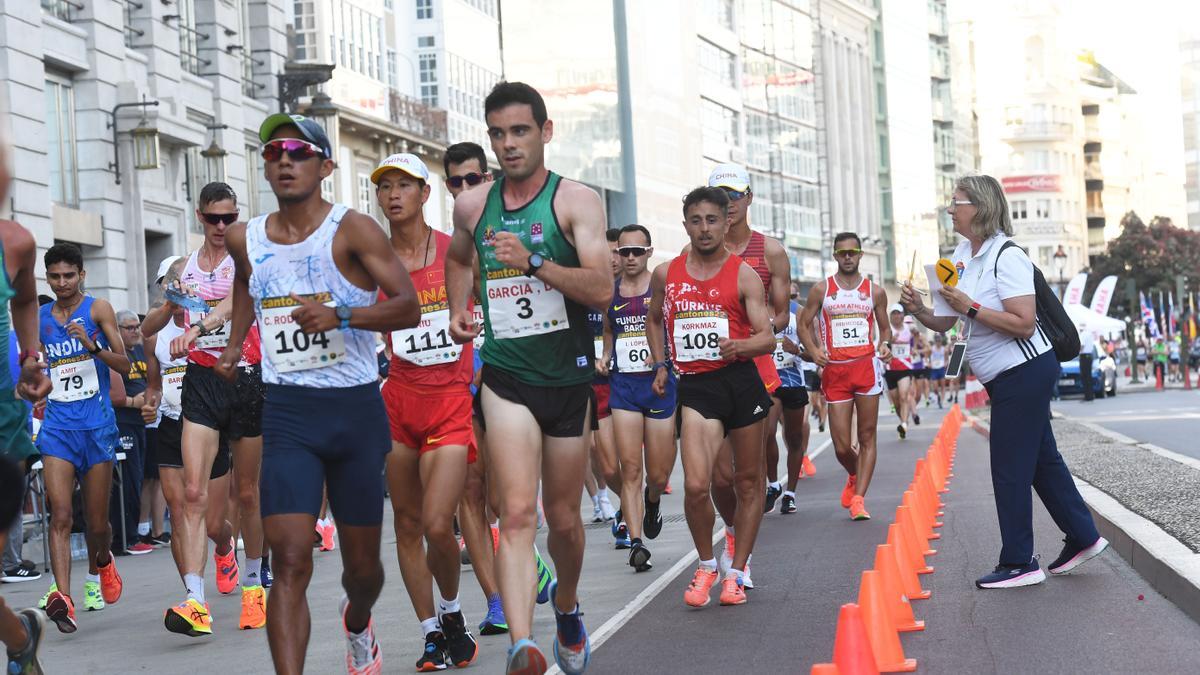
x=323, y=111
x=1060, y=264
x=145, y=139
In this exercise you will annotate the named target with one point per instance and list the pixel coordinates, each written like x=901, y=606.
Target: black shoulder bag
x=1052, y=319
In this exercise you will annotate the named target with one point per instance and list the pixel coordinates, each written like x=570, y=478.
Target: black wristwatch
x=535, y=263
x=95, y=351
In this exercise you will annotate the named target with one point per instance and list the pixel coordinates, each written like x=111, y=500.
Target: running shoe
x=495, y=538
x=788, y=504
x=597, y=514
x=652, y=521
x=433, y=657
x=227, y=570
x=22, y=572
x=857, y=510
x=327, y=543
x=45, y=598
x=1012, y=576
x=1073, y=556
x=110, y=581
x=821, y=427
x=621, y=536
x=639, y=557
x=162, y=539
x=142, y=547
x=572, y=648
x=544, y=578
x=772, y=497
x=807, y=465
x=848, y=492
x=189, y=618
x=461, y=647
x=494, y=623
x=25, y=661
x=697, y=593
x=916, y=418
x=902, y=429
x=607, y=510
x=732, y=591
x=746, y=580
x=524, y=658
x=363, y=656
x=616, y=522
x=265, y=573
x=61, y=611
x=254, y=608
x=93, y=598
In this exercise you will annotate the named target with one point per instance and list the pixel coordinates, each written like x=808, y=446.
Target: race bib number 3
x=698, y=338
x=522, y=306
x=851, y=332
x=290, y=348
x=633, y=354
x=74, y=381
x=429, y=343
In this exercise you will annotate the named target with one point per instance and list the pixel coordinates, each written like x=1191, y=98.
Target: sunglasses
x=214, y=218
x=842, y=252
x=635, y=251
x=735, y=196
x=298, y=150
x=471, y=179
x=794, y=296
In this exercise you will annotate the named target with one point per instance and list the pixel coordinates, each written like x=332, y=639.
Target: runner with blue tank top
x=641, y=418
x=311, y=274
x=792, y=396
x=78, y=439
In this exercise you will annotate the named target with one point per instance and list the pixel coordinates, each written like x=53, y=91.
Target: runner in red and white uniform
x=428, y=399
x=899, y=375
x=214, y=409
x=712, y=308
x=767, y=257
x=852, y=310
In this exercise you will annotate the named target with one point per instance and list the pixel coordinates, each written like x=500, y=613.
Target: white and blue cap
x=731, y=176
x=401, y=161
x=308, y=128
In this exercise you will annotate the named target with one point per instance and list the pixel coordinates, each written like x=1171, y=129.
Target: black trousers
x=1085, y=376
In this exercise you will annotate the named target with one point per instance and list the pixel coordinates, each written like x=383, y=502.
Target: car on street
x=1104, y=378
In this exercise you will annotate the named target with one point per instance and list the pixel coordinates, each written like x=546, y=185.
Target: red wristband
x=28, y=353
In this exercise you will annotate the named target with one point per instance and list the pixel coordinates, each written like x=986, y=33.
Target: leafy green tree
x=1152, y=255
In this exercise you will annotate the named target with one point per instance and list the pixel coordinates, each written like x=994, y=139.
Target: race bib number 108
x=699, y=338
x=290, y=348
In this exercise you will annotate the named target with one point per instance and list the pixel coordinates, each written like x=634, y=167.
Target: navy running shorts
x=633, y=392
x=334, y=438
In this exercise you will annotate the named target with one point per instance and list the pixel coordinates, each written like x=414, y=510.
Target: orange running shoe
x=495, y=538
x=697, y=593
x=326, y=536
x=848, y=492
x=732, y=592
x=61, y=610
x=857, y=510
x=110, y=581
x=254, y=608
x=227, y=570
x=807, y=466
x=189, y=618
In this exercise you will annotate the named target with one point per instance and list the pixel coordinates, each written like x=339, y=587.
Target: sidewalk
x=809, y=563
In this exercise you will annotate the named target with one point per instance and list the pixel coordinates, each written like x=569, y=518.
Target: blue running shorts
x=632, y=391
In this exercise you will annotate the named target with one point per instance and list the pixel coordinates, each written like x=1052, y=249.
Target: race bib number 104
x=290, y=348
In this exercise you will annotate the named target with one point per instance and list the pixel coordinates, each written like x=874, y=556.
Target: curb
x=1171, y=568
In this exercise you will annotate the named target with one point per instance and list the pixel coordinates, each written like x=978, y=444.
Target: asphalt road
x=1169, y=419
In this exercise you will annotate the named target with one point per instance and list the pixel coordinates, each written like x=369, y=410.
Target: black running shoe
x=265, y=574
x=788, y=505
x=21, y=572
x=461, y=647
x=163, y=539
x=652, y=521
x=434, y=656
x=916, y=419
x=639, y=556
x=772, y=496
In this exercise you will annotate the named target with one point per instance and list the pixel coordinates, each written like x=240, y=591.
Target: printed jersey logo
x=260, y=259
x=959, y=267
x=489, y=235
x=535, y=233
x=433, y=440
x=617, y=308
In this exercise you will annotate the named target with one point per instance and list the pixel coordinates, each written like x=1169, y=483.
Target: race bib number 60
x=633, y=354
x=290, y=348
x=699, y=338
x=522, y=306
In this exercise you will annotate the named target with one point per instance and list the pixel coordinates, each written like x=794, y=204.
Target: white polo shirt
x=989, y=352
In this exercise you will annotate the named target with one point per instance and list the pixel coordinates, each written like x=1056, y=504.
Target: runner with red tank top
x=710, y=308
x=852, y=311
x=215, y=410
x=899, y=375
x=428, y=399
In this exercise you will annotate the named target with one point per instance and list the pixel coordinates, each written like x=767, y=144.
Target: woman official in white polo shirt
x=1011, y=356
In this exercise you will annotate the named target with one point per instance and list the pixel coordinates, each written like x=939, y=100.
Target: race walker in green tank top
x=532, y=331
x=15, y=444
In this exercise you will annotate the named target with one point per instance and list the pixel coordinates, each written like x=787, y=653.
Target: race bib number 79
x=74, y=380
x=290, y=348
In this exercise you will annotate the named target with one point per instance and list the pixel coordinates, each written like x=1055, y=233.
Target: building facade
x=71, y=71
x=1189, y=52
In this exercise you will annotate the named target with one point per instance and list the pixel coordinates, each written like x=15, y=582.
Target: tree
x=1152, y=255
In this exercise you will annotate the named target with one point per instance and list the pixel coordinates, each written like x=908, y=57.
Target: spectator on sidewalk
x=132, y=429
x=1161, y=356
x=1016, y=364
x=1087, y=354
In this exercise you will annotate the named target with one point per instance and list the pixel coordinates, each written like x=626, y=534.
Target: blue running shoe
x=572, y=648
x=524, y=658
x=621, y=535
x=494, y=623
x=265, y=573
x=617, y=522
x=544, y=578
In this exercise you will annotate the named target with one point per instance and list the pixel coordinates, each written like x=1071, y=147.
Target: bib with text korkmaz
x=290, y=348
x=697, y=335
x=520, y=306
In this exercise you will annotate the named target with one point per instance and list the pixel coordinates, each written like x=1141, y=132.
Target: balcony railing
x=1038, y=130
x=62, y=9
x=418, y=118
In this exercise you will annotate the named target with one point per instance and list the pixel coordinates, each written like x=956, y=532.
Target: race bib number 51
x=522, y=306
x=699, y=338
x=851, y=331
x=290, y=348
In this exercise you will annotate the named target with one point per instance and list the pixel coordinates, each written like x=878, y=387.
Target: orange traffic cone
x=852, y=653
x=893, y=590
x=907, y=551
x=885, y=641
x=927, y=489
x=909, y=582
x=908, y=524
x=921, y=518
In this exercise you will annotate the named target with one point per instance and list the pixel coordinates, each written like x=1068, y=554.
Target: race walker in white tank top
x=332, y=359
x=172, y=371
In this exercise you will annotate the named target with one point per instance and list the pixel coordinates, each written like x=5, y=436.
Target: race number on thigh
x=633, y=354
x=429, y=343
x=522, y=306
x=289, y=347
x=699, y=338
x=74, y=381
x=851, y=331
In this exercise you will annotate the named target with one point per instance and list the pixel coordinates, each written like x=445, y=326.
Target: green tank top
x=531, y=331
x=6, y=293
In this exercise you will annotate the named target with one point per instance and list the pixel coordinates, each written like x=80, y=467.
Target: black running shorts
x=735, y=395
x=560, y=411
x=233, y=408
